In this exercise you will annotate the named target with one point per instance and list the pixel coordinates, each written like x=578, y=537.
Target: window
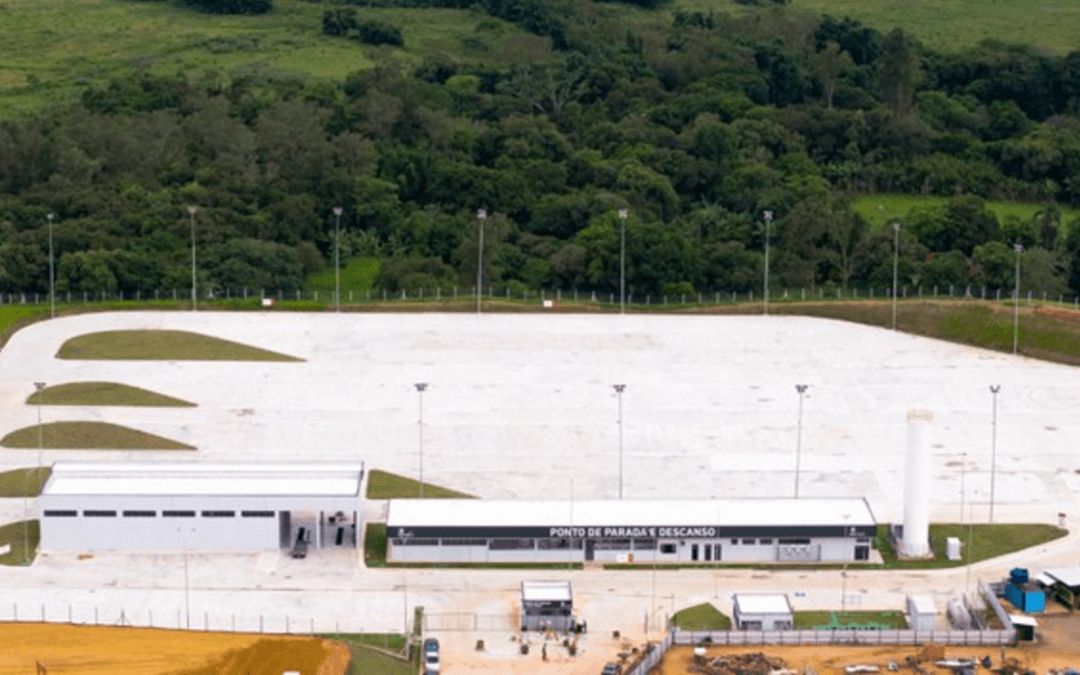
x=749, y=541
x=667, y=548
x=644, y=544
x=735, y=541
x=256, y=514
x=552, y=544
x=795, y=542
x=612, y=545
x=464, y=541
x=177, y=514
x=511, y=544
x=99, y=514
x=764, y=541
x=416, y=541
x=863, y=541
x=218, y=514
x=61, y=514
x=140, y=514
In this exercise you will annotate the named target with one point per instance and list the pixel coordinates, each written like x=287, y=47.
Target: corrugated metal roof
x=204, y=478
x=626, y=512
x=546, y=591
x=762, y=603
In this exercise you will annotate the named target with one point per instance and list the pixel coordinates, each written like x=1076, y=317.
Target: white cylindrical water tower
x=916, y=541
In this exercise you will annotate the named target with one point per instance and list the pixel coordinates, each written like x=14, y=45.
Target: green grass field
x=878, y=620
x=881, y=210
x=87, y=436
x=384, y=485
x=104, y=393
x=701, y=617
x=951, y=25
x=23, y=482
x=22, y=536
x=161, y=345
x=372, y=653
x=988, y=541
x=51, y=49
x=357, y=275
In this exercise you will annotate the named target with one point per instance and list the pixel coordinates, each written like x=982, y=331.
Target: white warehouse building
x=173, y=506
x=665, y=531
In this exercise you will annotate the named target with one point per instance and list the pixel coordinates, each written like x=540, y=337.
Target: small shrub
x=338, y=21
x=379, y=33
x=231, y=6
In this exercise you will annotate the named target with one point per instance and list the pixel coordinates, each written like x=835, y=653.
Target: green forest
x=696, y=139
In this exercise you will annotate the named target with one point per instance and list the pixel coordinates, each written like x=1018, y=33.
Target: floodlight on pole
x=801, y=389
x=52, y=275
x=994, y=389
x=765, y=295
x=481, y=216
x=187, y=592
x=420, y=387
x=40, y=387
x=1018, y=247
x=337, y=258
x=194, y=286
x=622, y=260
x=619, y=389
x=895, y=269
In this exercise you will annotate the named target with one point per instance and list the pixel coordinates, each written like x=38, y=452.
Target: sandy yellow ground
x=78, y=650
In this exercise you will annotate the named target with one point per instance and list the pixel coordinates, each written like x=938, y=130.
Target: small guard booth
x=182, y=506
x=763, y=611
x=547, y=605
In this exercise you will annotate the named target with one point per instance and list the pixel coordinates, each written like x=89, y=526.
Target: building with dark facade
x=664, y=531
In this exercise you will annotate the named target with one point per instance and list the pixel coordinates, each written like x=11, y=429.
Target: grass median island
x=87, y=436
x=384, y=485
x=17, y=536
x=701, y=617
x=24, y=482
x=161, y=345
x=988, y=541
x=104, y=393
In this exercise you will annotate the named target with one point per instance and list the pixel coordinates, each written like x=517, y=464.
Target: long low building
x=665, y=531
x=173, y=506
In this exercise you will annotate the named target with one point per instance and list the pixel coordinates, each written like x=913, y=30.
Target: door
x=590, y=548
x=862, y=552
x=708, y=552
x=716, y=553
x=693, y=552
x=285, y=529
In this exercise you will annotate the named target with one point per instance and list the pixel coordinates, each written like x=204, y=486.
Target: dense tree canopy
x=696, y=127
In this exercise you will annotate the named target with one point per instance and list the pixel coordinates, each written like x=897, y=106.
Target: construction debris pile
x=740, y=664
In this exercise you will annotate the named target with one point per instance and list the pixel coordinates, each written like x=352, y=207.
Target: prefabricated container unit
x=547, y=605
x=921, y=612
x=763, y=611
x=1028, y=597
x=189, y=506
x=952, y=548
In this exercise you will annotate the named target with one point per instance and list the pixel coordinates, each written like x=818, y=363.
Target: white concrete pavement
x=522, y=406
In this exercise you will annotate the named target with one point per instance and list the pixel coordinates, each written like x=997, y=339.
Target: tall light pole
x=1018, y=247
x=765, y=295
x=622, y=260
x=619, y=389
x=994, y=389
x=481, y=216
x=843, y=575
x=801, y=388
x=895, y=268
x=187, y=593
x=194, y=288
x=52, y=276
x=337, y=258
x=40, y=386
x=420, y=387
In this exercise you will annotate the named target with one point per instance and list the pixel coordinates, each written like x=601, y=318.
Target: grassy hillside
x=880, y=210
x=52, y=47
x=950, y=25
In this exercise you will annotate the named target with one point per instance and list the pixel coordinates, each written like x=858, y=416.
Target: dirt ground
x=79, y=650
x=1057, y=646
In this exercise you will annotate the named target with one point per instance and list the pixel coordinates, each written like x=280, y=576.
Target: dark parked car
x=431, y=656
x=612, y=669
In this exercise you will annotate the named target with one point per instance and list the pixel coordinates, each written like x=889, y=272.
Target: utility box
x=547, y=605
x=1025, y=595
x=921, y=612
x=763, y=611
x=952, y=548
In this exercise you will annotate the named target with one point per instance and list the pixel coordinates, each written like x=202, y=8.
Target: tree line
x=695, y=127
